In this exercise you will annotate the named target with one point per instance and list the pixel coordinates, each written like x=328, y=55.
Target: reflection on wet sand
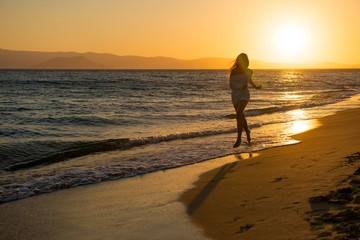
x=302, y=126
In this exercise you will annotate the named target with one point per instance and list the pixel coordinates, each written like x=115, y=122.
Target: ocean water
x=61, y=129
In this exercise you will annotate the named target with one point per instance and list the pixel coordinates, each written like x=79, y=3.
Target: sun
x=291, y=40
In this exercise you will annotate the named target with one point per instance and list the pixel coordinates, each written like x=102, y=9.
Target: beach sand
x=141, y=207
x=281, y=193
x=265, y=196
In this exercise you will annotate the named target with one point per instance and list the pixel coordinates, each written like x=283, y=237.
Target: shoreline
x=148, y=205
x=268, y=196
x=128, y=208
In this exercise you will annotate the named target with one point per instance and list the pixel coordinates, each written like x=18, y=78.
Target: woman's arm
x=252, y=83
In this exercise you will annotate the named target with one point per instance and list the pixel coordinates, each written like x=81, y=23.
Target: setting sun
x=291, y=39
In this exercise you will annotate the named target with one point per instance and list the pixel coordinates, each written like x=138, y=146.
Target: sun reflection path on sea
x=292, y=96
x=297, y=114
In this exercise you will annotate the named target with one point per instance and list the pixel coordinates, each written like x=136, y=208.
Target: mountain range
x=10, y=59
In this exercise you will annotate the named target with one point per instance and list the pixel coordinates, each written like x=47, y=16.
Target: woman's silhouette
x=239, y=78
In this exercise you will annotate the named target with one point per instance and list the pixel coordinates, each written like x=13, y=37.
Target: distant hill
x=10, y=59
x=302, y=65
x=77, y=62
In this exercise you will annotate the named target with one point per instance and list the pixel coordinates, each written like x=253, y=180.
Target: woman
x=239, y=78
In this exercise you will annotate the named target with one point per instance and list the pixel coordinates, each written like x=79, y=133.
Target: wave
x=37, y=181
x=80, y=149
x=317, y=100
x=78, y=120
x=269, y=110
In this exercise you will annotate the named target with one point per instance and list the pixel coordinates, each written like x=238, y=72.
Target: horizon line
x=131, y=55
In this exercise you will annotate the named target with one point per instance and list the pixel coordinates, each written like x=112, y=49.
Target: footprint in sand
x=278, y=179
x=235, y=219
x=252, y=164
x=293, y=165
x=285, y=208
x=245, y=228
x=262, y=198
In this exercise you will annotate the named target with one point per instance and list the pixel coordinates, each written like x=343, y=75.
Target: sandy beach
x=281, y=193
x=277, y=193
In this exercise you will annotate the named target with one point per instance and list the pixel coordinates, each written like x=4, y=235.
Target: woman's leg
x=240, y=120
x=246, y=128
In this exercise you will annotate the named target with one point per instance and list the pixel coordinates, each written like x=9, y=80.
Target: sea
x=66, y=128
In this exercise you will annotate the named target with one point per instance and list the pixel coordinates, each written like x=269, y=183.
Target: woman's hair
x=240, y=64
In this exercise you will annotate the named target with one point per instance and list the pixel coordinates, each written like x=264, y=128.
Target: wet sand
x=142, y=207
x=288, y=192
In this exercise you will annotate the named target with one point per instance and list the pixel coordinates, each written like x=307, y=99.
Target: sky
x=272, y=31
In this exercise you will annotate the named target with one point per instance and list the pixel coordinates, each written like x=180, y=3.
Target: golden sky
x=268, y=30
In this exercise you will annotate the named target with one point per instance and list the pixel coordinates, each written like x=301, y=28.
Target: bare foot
x=237, y=144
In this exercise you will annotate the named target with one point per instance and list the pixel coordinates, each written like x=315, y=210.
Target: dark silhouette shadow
x=200, y=198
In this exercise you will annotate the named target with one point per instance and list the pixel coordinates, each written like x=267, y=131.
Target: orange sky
x=273, y=31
